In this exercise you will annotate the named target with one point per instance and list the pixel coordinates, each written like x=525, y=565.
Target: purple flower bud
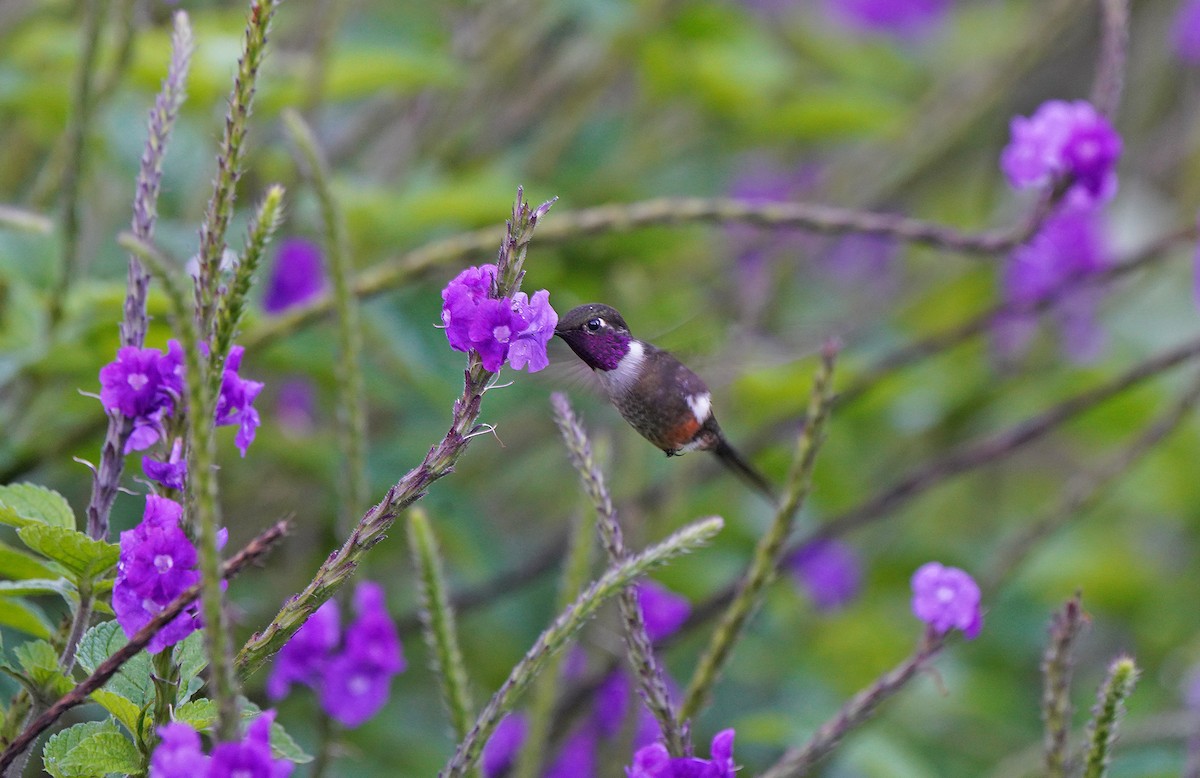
x=663, y=610
x=829, y=571
x=179, y=753
x=173, y=473
x=947, y=598
x=1064, y=139
x=304, y=658
x=653, y=761
x=235, y=403
x=502, y=747
x=296, y=277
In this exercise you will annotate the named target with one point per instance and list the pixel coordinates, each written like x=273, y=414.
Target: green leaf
x=25, y=504
x=91, y=749
x=83, y=556
x=35, y=586
x=22, y=616
x=132, y=681
x=192, y=660
x=18, y=565
x=198, y=714
x=282, y=744
x=122, y=709
x=39, y=661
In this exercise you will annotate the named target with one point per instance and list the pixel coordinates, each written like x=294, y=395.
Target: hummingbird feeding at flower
x=662, y=399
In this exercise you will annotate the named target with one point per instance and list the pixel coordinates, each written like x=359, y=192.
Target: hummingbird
x=662, y=399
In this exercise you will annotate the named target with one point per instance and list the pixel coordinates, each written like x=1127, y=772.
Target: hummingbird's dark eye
x=594, y=325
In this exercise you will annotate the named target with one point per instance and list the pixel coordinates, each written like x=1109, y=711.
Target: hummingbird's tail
x=744, y=470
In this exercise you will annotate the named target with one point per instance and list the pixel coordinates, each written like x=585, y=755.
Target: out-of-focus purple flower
x=172, y=473
x=653, y=761
x=502, y=747
x=612, y=705
x=235, y=403
x=157, y=563
x=947, y=598
x=1185, y=32
x=296, y=277
x=305, y=657
x=372, y=637
x=829, y=571
x=1070, y=245
x=179, y=753
x=250, y=757
x=857, y=259
x=294, y=406
x=352, y=692
x=899, y=18
x=663, y=610
x=576, y=758
x=1064, y=138
x=515, y=329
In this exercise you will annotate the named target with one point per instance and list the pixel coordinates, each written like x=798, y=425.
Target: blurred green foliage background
x=433, y=113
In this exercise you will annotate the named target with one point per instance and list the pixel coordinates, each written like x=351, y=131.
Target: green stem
x=769, y=550
x=558, y=634
x=1057, y=667
x=352, y=402
x=1106, y=716
x=437, y=617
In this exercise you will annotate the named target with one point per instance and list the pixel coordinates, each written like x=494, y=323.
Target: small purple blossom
x=179, y=753
x=516, y=329
x=947, y=598
x=663, y=610
x=235, y=403
x=502, y=747
x=250, y=757
x=1185, y=32
x=899, y=18
x=133, y=384
x=157, y=563
x=296, y=277
x=173, y=473
x=829, y=571
x=1070, y=245
x=305, y=657
x=1064, y=139
x=653, y=761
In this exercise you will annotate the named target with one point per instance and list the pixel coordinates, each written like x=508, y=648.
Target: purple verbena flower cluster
x=180, y=754
x=296, y=277
x=947, y=598
x=147, y=386
x=515, y=329
x=156, y=565
x=1064, y=139
x=829, y=571
x=352, y=680
x=653, y=761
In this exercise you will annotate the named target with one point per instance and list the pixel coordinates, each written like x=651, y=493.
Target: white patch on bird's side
x=623, y=376
x=701, y=405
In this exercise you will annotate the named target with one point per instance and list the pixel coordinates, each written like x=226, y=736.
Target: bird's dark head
x=596, y=333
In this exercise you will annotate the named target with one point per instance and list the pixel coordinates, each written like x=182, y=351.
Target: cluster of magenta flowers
x=947, y=598
x=1069, y=144
x=514, y=329
x=146, y=385
x=351, y=672
x=664, y=612
x=180, y=754
x=156, y=565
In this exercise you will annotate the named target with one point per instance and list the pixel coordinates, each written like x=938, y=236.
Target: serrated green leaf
x=125, y=711
x=198, y=714
x=28, y=504
x=22, y=616
x=18, y=565
x=132, y=681
x=83, y=556
x=90, y=750
x=36, y=657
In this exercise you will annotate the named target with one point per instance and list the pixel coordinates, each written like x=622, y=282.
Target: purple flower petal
x=504, y=745
x=946, y=598
x=296, y=277
x=663, y=610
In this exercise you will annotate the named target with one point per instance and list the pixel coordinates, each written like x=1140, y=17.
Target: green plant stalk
x=337, y=569
x=1106, y=716
x=769, y=550
x=166, y=691
x=1057, y=667
x=202, y=488
x=640, y=650
x=232, y=305
x=82, y=105
x=437, y=618
x=13, y=218
x=229, y=162
x=540, y=710
x=559, y=633
x=352, y=399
